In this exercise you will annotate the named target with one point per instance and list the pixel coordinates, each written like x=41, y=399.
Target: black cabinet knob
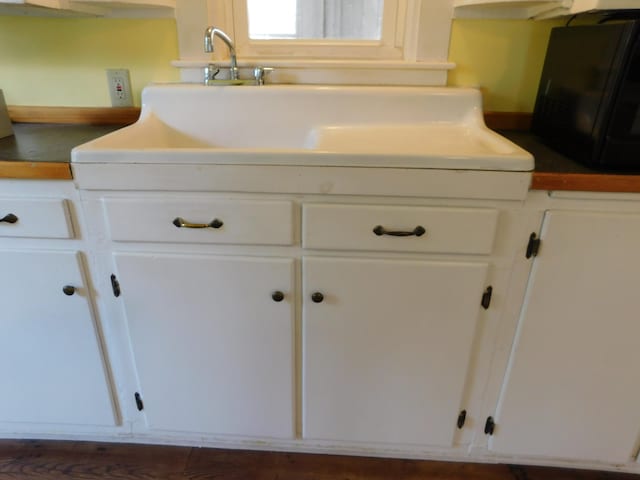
x=9, y=218
x=317, y=297
x=277, y=296
x=69, y=290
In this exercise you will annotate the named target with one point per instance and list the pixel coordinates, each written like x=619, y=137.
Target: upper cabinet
x=537, y=9
x=97, y=8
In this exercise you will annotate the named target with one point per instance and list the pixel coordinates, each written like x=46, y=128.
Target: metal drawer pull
x=182, y=223
x=9, y=218
x=418, y=232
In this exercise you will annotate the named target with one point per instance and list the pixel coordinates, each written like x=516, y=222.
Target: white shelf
x=98, y=8
x=131, y=8
x=537, y=9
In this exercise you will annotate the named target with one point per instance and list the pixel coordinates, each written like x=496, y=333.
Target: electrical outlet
x=119, y=87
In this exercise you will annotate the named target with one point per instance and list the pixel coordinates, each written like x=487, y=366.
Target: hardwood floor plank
x=55, y=460
x=550, y=473
x=235, y=465
x=82, y=460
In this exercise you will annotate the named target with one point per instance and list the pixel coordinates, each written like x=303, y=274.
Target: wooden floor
x=77, y=460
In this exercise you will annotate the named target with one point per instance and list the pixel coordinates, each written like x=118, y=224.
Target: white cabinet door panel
x=572, y=389
x=386, y=353
x=51, y=364
x=214, y=352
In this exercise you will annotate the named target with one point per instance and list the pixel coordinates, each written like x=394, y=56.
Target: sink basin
x=402, y=127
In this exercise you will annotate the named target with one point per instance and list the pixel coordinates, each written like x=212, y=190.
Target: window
x=315, y=28
x=325, y=41
x=315, y=19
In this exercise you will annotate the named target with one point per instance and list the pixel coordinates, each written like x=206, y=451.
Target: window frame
x=390, y=45
x=419, y=51
x=412, y=30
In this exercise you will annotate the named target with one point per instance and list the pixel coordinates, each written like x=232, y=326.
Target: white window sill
x=331, y=72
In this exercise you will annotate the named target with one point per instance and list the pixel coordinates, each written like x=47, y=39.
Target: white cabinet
x=509, y=8
x=538, y=9
x=387, y=341
x=227, y=338
x=386, y=347
x=51, y=364
x=66, y=8
x=572, y=390
x=306, y=308
x=213, y=342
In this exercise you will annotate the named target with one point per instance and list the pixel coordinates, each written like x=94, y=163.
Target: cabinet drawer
x=400, y=229
x=200, y=221
x=35, y=218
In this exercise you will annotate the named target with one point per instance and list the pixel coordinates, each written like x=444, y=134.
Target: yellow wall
x=62, y=61
x=503, y=58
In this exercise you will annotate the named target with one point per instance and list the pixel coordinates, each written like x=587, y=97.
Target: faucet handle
x=210, y=72
x=259, y=73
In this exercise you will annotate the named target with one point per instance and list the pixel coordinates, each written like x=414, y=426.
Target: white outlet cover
x=119, y=85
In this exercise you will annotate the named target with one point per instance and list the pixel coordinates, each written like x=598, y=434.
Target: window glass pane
x=315, y=19
x=272, y=18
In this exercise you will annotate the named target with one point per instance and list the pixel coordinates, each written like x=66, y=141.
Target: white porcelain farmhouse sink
x=407, y=127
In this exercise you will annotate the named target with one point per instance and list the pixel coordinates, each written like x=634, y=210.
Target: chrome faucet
x=212, y=32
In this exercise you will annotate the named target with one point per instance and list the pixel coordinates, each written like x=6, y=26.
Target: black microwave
x=588, y=102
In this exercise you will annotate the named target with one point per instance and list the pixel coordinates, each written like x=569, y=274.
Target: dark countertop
x=35, y=142
x=550, y=161
x=42, y=151
x=554, y=171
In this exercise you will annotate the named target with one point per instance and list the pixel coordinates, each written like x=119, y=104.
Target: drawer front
x=399, y=229
x=201, y=221
x=35, y=218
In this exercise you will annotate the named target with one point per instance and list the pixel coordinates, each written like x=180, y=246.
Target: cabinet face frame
x=511, y=228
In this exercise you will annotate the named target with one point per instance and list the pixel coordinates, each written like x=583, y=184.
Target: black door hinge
x=489, y=426
x=139, y=403
x=115, y=286
x=533, y=246
x=486, y=297
x=462, y=418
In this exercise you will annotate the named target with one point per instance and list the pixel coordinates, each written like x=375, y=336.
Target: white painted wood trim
x=424, y=37
x=469, y=184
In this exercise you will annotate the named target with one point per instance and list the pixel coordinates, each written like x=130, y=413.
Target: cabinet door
x=51, y=364
x=213, y=350
x=572, y=389
x=386, y=352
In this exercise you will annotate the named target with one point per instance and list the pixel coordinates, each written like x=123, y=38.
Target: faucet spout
x=209, y=35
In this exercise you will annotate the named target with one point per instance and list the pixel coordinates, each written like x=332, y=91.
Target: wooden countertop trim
x=128, y=115
x=586, y=182
x=35, y=170
x=74, y=115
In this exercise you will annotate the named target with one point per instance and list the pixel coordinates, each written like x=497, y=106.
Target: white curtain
x=339, y=19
